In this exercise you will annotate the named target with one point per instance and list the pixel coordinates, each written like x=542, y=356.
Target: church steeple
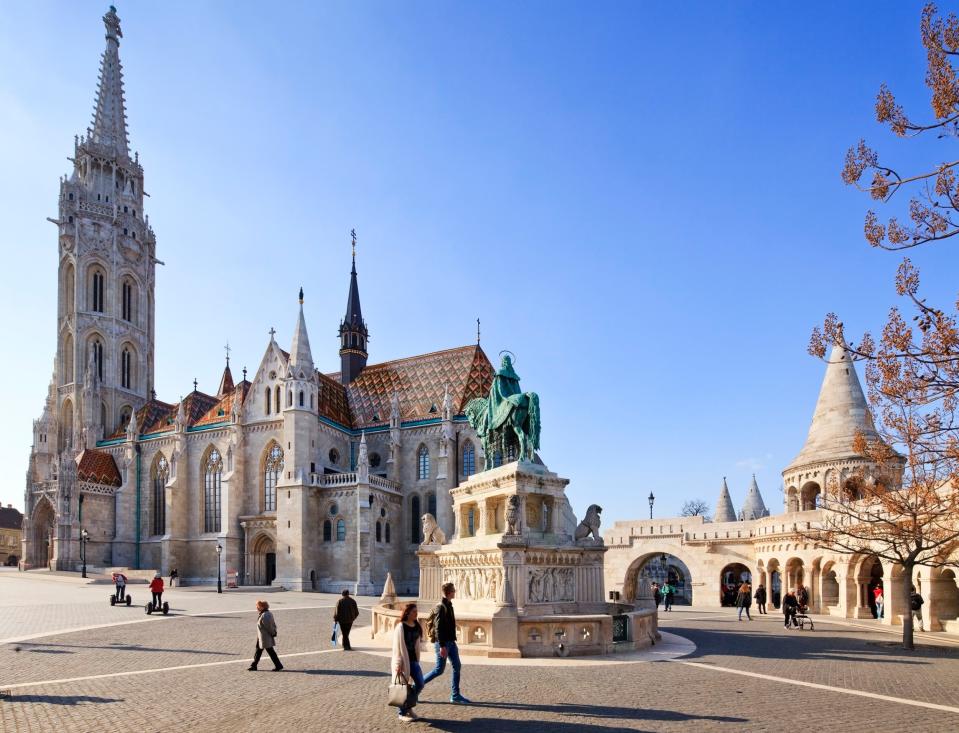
x=301, y=358
x=109, y=114
x=353, y=331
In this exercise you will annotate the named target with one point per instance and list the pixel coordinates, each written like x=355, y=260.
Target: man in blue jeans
x=445, y=644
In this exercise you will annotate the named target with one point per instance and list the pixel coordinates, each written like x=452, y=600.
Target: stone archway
x=829, y=584
x=730, y=578
x=43, y=545
x=651, y=566
x=774, y=584
x=868, y=577
x=263, y=560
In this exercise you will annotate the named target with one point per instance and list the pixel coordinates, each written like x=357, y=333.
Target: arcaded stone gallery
x=289, y=476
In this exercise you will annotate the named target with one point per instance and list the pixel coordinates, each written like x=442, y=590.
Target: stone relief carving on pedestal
x=549, y=585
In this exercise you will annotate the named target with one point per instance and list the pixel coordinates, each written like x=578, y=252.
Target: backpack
x=916, y=602
x=431, y=623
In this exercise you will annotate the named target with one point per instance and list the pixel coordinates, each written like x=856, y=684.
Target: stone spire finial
x=841, y=412
x=300, y=354
x=724, y=507
x=109, y=115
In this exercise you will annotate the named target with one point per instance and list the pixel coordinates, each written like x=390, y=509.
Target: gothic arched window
x=415, y=536
x=126, y=299
x=387, y=531
x=161, y=473
x=213, y=475
x=267, y=400
x=97, y=347
x=379, y=532
x=423, y=464
x=96, y=290
x=126, y=368
x=340, y=530
x=276, y=402
x=431, y=503
x=469, y=460
x=327, y=531
x=271, y=475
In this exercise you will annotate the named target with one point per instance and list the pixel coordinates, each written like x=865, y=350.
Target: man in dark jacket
x=345, y=614
x=915, y=605
x=444, y=621
x=760, y=597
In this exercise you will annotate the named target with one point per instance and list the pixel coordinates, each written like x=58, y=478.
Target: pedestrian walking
x=915, y=603
x=657, y=595
x=668, y=592
x=265, y=637
x=441, y=630
x=802, y=596
x=744, y=599
x=790, y=608
x=406, y=658
x=880, y=601
x=345, y=614
x=120, y=581
x=760, y=596
x=156, y=588
x=174, y=577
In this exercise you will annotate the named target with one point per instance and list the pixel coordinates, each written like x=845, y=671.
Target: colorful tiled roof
x=10, y=518
x=334, y=404
x=151, y=418
x=419, y=381
x=98, y=467
x=223, y=408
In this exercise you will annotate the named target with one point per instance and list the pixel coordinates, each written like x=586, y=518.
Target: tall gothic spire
x=300, y=354
x=724, y=507
x=841, y=413
x=109, y=114
x=353, y=331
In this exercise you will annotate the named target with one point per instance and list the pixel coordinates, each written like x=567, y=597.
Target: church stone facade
x=308, y=480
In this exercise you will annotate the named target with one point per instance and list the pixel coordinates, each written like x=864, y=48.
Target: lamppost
x=84, y=535
x=651, y=500
x=219, y=582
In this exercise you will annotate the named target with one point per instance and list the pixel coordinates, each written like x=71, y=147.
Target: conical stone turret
x=724, y=507
x=753, y=507
x=841, y=413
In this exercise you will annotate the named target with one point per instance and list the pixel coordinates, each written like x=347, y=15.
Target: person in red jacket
x=156, y=588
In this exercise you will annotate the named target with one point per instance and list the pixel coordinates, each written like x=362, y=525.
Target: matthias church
x=288, y=476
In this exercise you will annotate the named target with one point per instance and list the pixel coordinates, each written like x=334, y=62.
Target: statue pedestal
x=534, y=591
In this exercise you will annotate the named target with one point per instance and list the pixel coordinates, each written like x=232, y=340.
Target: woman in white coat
x=265, y=637
x=405, y=662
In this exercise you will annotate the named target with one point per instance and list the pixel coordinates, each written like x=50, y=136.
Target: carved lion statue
x=590, y=524
x=432, y=534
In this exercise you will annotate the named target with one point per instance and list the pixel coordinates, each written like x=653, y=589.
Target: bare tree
x=696, y=508
x=904, y=511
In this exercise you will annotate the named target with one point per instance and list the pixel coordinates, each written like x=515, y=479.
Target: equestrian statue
x=507, y=418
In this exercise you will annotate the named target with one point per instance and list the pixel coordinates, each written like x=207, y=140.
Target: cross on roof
x=228, y=350
x=194, y=384
x=272, y=332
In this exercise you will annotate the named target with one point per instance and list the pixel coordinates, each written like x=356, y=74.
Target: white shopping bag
x=336, y=629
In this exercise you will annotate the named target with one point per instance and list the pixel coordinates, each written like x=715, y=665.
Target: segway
x=150, y=608
x=128, y=599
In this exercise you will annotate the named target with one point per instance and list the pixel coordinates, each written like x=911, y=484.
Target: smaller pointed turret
x=301, y=358
x=754, y=507
x=724, y=507
x=226, y=381
x=353, y=331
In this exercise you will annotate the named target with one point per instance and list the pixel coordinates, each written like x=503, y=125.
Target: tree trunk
x=907, y=642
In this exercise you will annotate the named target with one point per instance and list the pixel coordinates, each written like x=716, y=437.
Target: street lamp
x=84, y=535
x=651, y=500
x=219, y=582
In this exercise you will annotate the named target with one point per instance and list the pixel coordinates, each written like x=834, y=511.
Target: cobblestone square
x=84, y=666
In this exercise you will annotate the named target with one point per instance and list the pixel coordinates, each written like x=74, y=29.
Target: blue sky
x=641, y=201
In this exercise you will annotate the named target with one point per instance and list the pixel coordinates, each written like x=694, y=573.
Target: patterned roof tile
x=98, y=467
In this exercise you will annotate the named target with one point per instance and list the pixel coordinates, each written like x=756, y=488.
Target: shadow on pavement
x=63, y=699
x=495, y=725
x=590, y=711
x=42, y=648
x=340, y=672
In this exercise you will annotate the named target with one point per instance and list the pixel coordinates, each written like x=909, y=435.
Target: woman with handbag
x=405, y=665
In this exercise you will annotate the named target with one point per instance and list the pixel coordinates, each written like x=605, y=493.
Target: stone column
x=483, y=518
x=364, y=583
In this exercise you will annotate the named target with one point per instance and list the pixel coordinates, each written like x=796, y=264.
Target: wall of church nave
x=98, y=520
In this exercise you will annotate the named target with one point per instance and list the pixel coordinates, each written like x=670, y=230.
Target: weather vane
x=353, y=237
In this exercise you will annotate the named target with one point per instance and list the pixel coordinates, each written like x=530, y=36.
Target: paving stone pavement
x=329, y=690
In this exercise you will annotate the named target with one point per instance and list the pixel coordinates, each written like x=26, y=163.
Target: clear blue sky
x=641, y=201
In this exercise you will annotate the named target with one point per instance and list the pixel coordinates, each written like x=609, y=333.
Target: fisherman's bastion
x=315, y=482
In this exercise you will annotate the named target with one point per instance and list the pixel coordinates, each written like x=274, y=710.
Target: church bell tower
x=107, y=258
x=353, y=331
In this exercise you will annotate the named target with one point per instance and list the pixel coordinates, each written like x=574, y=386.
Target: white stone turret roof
x=724, y=507
x=841, y=413
x=754, y=507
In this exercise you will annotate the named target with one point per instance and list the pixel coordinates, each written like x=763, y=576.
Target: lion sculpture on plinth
x=432, y=534
x=590, y=524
